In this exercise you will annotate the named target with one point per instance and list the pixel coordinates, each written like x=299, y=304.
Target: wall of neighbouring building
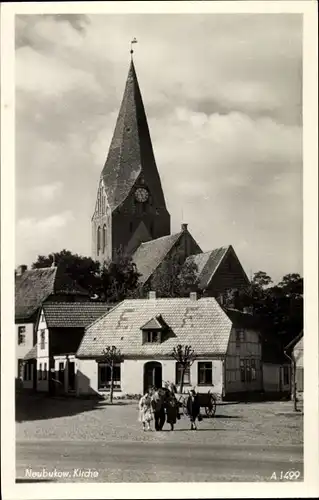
x=298, y=353
x=132, y=376
x=247, y=348
x=24, y=348
x=42, y=356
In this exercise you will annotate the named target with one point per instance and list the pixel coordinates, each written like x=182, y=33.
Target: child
x=146, y=414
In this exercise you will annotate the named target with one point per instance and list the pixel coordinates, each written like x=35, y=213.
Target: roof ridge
x=161, y=238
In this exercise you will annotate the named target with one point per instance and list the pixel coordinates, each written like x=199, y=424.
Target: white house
x=32, y=288
x=51, y=365
x=227, y=347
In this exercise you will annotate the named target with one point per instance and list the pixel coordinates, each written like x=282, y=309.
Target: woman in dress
x=145, y=411
x=171, y=406
x=193, y=408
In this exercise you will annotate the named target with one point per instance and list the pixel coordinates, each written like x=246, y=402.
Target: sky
x=223, y=97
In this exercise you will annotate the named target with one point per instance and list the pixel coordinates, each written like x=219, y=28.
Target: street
x=83, y=441
x=146, y=462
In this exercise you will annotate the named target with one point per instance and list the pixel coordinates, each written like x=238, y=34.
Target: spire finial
x=132, y=51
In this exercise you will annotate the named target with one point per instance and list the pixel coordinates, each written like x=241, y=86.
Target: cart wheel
x=211, y=409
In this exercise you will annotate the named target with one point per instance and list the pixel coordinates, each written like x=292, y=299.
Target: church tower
x=130, y=208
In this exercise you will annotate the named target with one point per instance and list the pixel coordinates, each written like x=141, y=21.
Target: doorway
x=71, y=376
x=152, y=375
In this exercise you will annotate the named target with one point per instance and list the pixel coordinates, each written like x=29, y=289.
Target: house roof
x=241, y=319
x=73, y=314
x=207, y=263
x=35, y=285
x=151, y=254
x=32, y=354
x=201, y=324
x=293, y=343
x=131, y=152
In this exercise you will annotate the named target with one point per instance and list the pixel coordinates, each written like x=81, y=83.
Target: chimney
x=193, y=296
x=21, y=270
x=184, y=227
x=152, y=295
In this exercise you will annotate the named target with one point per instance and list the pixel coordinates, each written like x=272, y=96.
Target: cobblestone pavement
x=227, y=447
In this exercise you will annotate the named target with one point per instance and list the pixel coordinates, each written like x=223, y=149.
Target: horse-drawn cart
x=207, y=400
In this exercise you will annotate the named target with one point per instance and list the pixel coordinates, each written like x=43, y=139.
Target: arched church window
x=104, y=238
x=98, y=240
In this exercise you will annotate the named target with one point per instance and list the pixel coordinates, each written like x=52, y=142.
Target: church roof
x=151, y=254
x=202, y=324
x=131, y=152
x=36, y=285
x=207, y=264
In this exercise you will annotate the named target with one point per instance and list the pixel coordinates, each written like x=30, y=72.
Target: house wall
x=132, y=375
x=271, y=377
x=23, y=349
x=28, y=384
x=229, y=275
x=42, y=355
x=65, y=359
x=247, y=349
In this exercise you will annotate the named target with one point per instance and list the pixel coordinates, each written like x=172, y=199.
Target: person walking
x=193, y=408
x=145, y=411
x=158, y=406
x=171, y=406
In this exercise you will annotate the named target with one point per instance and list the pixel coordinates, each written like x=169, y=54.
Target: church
x=131, y=216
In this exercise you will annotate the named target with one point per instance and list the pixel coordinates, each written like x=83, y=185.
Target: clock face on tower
x=141, y=195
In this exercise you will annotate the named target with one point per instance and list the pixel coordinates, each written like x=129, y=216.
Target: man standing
x=158, y=408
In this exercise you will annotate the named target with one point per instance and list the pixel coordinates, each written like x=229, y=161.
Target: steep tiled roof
x=31, y=289
x=201, y=324
x=35, y=285
x=73, y=314
x=32, y=354
x=207, y=263
x=151, y=254
x=131, y=151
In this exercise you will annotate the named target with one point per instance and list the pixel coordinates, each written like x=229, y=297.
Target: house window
x=104, y=238
x=151, y=336
x=104, y=376
x=187, y=374
x=45, y=372
x=98, y=238
x=253, y=370
x=240, y=337
x=205, y=375
x=61, y=372
x=42, y=339
x=242, y=371
x=248, y=370
x=286, y=375
x=20, y=368
x=21, y=335
x=40, y=371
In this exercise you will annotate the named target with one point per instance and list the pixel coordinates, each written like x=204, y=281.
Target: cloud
x=224, y=110
x=43, y=193
x=41, y=235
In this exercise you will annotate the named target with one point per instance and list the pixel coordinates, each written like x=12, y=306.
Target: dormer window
x=153, y=330
x=152, y=336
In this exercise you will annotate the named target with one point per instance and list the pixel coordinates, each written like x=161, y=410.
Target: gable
x=141, y=235
x=229, y=274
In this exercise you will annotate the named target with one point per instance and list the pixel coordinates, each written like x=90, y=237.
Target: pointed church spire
x=131, y=153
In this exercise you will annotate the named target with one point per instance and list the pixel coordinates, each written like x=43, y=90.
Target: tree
x=185, y=356
x=175, y=277
x=112, y=356
x=119, y=278
x=82, y=270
